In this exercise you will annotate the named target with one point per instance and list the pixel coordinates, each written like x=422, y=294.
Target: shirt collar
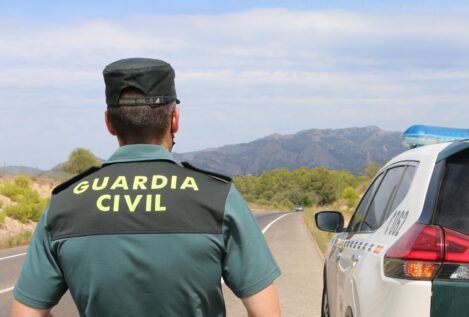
x=139, y=152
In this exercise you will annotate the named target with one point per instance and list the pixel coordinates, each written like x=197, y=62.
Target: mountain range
x=350, y=149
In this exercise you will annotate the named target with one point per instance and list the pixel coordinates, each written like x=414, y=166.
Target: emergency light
x=419, y=135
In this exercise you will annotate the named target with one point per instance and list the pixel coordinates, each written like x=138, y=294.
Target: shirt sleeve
x=248, y=266
x=41, y=283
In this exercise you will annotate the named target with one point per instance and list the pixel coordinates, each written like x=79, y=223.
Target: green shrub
x=351, y=196
x=22, y=181
x=24, y=211
x=19, y=189
x=308, y=187
x=29, y=205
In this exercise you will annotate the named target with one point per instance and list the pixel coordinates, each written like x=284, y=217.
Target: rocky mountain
x=351, y=149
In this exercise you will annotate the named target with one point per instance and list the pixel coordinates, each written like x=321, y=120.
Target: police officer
x=142, y=235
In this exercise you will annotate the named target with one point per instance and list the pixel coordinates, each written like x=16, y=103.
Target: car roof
x=432, y=152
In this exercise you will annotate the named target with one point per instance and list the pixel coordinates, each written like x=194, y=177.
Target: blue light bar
x=419, y=135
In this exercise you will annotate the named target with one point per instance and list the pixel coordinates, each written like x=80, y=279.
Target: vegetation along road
x=299, y=287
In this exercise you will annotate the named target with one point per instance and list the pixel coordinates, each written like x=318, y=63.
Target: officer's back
x=143, y=235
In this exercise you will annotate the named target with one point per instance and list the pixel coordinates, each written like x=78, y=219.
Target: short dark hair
x=140, y=123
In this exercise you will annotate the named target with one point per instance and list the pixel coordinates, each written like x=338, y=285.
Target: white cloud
x=244, y=74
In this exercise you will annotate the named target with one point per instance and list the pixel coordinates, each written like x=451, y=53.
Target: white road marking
x=9, y=289
x=12, y=256
x=274, y=221
x=6, y=290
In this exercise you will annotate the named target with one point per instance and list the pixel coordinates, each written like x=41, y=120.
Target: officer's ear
x=175, y=120
x=109, y=126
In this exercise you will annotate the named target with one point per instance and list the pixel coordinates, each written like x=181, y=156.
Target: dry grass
x=322, y=237
x=20, y=239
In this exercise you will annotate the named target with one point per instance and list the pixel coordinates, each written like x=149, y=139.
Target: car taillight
x=456, y=261
x=417, y=255
x=427, y=250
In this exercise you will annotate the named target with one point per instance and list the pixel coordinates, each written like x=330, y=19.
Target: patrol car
x=405, y=250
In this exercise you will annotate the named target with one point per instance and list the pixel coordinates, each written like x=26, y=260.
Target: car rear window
x=453, y=200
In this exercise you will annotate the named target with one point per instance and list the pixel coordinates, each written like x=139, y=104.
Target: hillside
x=23, y=170
x=351, y=149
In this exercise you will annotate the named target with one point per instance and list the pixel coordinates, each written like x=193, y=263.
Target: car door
x=361, y=262
x=334, y=264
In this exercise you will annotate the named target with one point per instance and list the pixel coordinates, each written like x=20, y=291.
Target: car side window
x=383, y=200
x=359, y=214
x=403, y=189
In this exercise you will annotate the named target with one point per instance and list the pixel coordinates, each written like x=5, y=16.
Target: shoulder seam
x=74, y=179
x=217, y=176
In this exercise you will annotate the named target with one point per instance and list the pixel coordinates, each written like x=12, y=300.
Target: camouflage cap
x=155, y=78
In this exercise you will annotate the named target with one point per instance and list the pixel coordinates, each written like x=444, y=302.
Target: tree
x=372, y=169
x=79, y=161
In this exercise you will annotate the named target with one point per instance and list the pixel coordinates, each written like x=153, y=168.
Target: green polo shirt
x=144, y=236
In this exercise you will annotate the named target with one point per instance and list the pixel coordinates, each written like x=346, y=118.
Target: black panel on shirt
x=187, y=210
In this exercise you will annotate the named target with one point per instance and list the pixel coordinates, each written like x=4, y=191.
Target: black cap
x=154, y=77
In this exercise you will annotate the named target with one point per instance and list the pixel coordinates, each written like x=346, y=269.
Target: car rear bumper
x=450, y=299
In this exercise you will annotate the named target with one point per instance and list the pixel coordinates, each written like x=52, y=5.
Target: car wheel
x=325, y=300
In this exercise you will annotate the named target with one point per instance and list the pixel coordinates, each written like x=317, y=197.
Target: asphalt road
x=299, y=287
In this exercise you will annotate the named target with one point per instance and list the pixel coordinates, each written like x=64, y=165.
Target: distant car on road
x=405, y=251
x=298, y=208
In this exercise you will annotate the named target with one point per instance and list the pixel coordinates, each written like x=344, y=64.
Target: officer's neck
x=167, y=142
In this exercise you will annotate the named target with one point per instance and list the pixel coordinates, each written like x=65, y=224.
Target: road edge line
x=274, y=221
x=6, y=290
x=12, y=256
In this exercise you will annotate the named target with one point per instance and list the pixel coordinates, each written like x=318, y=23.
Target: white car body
x=356, y=284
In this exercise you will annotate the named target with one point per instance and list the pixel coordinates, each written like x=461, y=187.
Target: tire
x=325, y=301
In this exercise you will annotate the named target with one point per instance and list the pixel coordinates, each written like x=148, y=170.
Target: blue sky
x=244, y=69
x=85, y=9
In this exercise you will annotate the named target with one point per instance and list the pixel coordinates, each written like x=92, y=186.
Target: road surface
x=299, y=286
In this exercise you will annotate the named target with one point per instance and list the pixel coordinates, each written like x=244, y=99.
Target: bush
x=308, y=187
x=24, y=211
x=29, y=205
x=19, y=189
x=351, y=196
x=79, y=161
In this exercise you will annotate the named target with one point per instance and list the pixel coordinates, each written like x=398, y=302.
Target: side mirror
x=330, y=221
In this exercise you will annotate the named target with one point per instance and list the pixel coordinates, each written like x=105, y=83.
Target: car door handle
x=338, y=255
x=356, y=258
